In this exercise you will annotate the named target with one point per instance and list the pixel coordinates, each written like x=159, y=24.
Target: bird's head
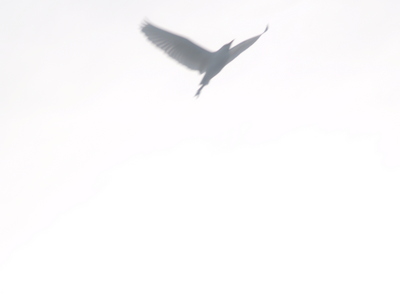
x=225, y=48
x=229, y=44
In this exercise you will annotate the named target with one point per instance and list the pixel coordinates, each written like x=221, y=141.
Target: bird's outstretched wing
x=179, y=48
x=239, y=48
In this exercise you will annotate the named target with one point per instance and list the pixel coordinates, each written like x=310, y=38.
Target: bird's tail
x=199, y=90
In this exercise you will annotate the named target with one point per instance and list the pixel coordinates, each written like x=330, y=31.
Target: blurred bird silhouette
x=193, y=56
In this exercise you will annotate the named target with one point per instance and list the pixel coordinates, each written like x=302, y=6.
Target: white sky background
x=281, y=181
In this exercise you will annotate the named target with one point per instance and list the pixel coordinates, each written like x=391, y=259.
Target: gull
x=193, y=56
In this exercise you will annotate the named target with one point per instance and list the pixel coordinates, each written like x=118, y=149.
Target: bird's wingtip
x=266, y=28
x=144, y=23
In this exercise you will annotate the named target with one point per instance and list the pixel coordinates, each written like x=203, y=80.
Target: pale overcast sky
x=282, y=181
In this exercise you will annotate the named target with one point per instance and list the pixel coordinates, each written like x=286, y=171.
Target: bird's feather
x=239, y=48
x=179, y=48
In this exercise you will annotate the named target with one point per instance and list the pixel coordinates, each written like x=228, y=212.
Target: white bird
x=193, y=56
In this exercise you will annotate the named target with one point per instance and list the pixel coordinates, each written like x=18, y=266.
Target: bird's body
x=216, y=63
x=193, y=56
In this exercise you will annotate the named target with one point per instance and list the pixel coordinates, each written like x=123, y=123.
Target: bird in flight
x=193, y=56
